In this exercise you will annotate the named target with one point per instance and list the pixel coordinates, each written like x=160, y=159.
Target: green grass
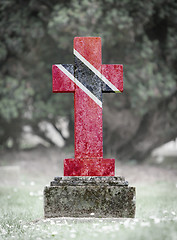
x=21, y=216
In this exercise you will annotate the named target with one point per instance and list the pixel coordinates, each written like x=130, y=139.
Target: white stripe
x=79, y=84
x=96, y=71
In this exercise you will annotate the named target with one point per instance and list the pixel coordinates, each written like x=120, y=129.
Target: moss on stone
x=80, y=201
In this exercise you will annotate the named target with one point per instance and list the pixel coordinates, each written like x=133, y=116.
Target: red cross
x=87, y=79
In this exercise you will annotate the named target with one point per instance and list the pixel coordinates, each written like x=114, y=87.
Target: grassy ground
x=21, y=204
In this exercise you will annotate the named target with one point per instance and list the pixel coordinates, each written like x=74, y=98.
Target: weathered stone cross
x=87, y=79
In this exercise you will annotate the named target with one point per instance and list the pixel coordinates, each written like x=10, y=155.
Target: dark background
x=141, y=35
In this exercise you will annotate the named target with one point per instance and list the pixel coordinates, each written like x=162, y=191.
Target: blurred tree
x=140, y=34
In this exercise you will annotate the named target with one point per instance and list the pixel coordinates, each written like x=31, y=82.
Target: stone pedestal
x=89, y=197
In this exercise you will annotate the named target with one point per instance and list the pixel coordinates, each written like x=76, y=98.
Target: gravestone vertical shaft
x=88, y=114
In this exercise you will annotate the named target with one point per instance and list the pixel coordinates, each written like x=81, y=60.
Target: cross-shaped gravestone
x=103, y=195
x=88, y=78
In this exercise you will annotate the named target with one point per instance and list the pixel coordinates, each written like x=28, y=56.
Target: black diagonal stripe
x=69, y=68
x=88, y=78
x=106, y=88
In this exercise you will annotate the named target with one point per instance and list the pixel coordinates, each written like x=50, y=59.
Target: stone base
x=89, y=197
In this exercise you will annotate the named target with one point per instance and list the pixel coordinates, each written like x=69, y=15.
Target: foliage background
x=139, y=34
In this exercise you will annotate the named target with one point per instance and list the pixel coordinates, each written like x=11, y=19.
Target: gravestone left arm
x=62, y=75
